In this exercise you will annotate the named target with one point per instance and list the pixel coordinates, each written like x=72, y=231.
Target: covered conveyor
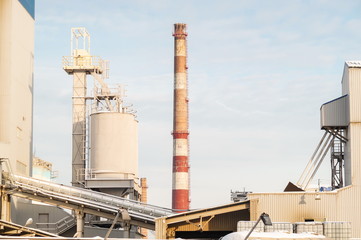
x=84, y=201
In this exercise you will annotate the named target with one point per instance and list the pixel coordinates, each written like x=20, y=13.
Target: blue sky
x=258, y=74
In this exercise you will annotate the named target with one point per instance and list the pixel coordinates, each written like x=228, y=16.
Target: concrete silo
x=114, y=145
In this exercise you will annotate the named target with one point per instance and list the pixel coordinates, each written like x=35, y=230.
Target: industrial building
x=344, y=202
x=16, y=88
x=105, y=181
x=16, y=83
x=341, y=121
x=99, y=118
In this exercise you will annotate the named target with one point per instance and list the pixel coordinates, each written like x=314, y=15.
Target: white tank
x=114, y=145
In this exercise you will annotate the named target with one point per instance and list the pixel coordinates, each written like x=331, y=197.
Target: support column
x=126, y=228
x=5, y=206
x=79, y=223
x=79, y=129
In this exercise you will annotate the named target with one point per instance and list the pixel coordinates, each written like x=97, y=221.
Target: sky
x=258, y=73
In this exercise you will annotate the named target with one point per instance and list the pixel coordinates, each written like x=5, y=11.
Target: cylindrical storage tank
x=113, y=145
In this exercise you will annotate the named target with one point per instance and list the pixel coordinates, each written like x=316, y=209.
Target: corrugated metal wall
x=335, y=113
x=349, y=208
x=296, y=207
x=355, y=150
x=343, y=205
x=355, y=94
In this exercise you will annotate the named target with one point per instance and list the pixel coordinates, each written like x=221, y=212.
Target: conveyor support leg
x=79, y=223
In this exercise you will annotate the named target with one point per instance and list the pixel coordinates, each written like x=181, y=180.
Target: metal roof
x=333, y=100
x=353, y=64
x=222, y=218
x=217, y=209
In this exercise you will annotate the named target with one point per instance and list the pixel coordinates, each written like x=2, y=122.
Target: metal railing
x=91, y=174
x=58, y=227
x=84, y=62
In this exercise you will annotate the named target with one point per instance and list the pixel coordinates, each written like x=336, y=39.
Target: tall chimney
x=180, y=186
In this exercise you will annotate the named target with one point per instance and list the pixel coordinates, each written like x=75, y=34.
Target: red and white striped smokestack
x=180, y=186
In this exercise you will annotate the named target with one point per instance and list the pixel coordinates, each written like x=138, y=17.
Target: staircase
x=59, y=227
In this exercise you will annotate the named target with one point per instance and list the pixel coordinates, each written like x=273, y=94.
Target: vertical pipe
x=180, y=186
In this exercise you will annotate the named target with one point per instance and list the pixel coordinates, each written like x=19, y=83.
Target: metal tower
x=80, y=64
x=180, y=192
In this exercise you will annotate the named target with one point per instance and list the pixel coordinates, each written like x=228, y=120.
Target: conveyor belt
x=88, y=201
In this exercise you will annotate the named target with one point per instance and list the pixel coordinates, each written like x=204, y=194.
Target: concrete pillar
x=79, y=223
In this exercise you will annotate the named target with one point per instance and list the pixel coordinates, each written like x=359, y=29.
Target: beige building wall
x=16, y=85
x=295, y=206
x=340, y=205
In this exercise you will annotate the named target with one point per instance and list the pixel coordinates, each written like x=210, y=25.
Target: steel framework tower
x=337, y=162
x=80, y=64
x=180, y=186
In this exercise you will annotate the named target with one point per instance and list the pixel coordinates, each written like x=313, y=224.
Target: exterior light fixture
x=28, y=222
x=266, y=221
